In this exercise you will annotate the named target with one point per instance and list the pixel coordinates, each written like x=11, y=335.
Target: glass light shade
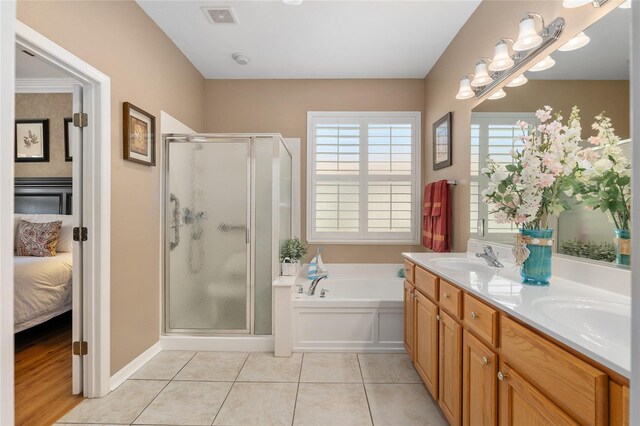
x=570, y=4
x=501, y=59
x=528, y=37
x=575, y=43
x=465, y=92
x=482, y=77
x=626, y=5
x=518, y=81
x=498, y=95
x=544, y=64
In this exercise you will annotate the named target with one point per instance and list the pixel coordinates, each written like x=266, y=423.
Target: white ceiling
x=606, y=57
x=30, y=67
x=318, y=39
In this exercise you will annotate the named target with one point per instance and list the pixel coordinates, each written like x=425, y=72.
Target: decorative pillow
x=38, y=239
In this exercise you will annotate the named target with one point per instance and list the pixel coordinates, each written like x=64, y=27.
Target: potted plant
x=291, y=251
x=604, y=179
x=531, y=189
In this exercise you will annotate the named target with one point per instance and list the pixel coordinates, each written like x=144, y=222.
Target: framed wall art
x=32, y=140
x=139, y=134
x=442, y=142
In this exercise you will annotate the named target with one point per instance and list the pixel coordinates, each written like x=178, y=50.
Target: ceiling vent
x=220, y=15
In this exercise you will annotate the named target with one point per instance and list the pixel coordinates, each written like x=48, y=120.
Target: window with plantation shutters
x=363, y=177
x=493, y=135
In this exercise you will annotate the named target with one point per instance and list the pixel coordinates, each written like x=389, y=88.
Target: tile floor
x=235, y=388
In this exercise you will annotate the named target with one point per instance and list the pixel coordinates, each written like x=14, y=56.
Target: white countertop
x=605, y=336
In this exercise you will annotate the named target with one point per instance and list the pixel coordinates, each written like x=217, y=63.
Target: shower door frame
x=251, y=139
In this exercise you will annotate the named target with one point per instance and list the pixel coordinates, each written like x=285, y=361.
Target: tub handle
x=323, y=291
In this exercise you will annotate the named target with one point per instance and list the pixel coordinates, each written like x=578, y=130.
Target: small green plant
x=589, y=249
x=292, y=248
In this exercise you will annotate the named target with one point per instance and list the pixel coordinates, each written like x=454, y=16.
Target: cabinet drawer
x=408, y=271
x=577, y=387
x=450, y=298
x=426, y=283
x=482, y=319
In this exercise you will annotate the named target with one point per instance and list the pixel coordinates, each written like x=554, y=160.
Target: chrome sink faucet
x=314, y=284
x=490, y=257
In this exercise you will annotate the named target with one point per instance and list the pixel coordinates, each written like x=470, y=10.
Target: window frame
x=363, y=236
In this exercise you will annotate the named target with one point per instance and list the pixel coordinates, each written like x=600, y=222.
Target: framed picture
x=139, y=135
x=68, y=124
x=442, y=142
x=32, y=140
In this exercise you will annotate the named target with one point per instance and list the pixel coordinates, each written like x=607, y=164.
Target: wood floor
x=43, y=372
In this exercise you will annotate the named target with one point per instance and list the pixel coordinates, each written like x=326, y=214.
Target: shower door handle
x=176, y=222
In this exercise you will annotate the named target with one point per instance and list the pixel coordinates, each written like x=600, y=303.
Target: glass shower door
x=208, y=286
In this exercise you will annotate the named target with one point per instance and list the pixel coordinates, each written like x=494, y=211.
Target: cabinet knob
x=437, y=317
x=485, y=360
x=473, y=316
x=501, y=376
x=445, y=295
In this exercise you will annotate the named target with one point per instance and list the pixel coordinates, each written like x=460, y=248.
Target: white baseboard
x=360, y=350
x=218, y=343
x=128, y=370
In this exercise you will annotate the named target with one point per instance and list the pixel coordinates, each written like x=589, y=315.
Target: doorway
x=94, y=100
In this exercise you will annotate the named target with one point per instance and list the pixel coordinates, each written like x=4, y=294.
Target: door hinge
x=80, y=348
x=80, y=119
x=80, y=234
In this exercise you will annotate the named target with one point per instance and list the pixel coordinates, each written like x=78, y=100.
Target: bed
x=42, y=285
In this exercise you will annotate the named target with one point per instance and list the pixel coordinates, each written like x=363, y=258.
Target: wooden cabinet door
x=521, y=404
x=426, y=342
x=409, y=318
x=479, y=383
x=450, y=378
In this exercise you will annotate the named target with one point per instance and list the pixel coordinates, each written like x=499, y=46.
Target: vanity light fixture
x=501, y=58
x=498, y=95
x=482, y=77
x=581, y=40
x=528, y=37
x=625, y=5
x=466, y=91
x=544, y=64
x=518, y=81
x=490, y=75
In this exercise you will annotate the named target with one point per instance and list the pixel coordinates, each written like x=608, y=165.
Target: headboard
x=43, y=195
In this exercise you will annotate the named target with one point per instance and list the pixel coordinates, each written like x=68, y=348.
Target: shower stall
x=228, y=207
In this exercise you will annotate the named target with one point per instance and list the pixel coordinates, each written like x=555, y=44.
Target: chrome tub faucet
x=314, y=284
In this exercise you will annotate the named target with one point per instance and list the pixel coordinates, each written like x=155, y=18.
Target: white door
x=77, y=314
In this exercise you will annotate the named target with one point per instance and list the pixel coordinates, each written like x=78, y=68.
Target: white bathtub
x=362, y=311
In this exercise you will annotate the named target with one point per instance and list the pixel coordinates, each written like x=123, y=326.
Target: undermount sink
x=599, y=321
x=462, y=264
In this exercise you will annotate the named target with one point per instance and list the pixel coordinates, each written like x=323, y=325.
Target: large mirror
x=595, y=78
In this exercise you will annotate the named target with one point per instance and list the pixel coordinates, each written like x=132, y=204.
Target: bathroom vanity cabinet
x=484, y=367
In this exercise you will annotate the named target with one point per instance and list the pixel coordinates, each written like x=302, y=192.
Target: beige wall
x=56, y=107
x=493, y=19
x=146, y=69
x=591, y=96
x=281, y=106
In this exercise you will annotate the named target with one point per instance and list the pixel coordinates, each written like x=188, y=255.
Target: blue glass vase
x=536, y=270
x=622, y=234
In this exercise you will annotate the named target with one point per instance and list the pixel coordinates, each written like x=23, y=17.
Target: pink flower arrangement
x=528, y=191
